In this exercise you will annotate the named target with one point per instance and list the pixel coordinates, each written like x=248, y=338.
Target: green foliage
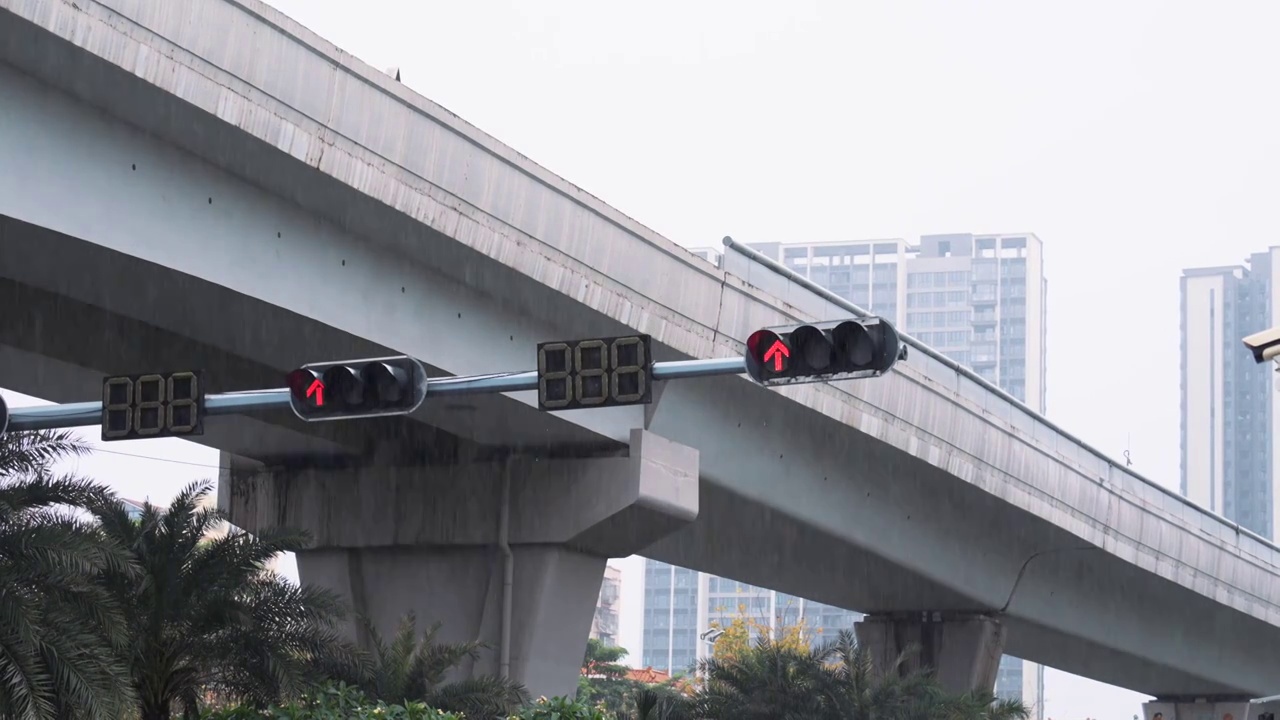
x=561, y=708
x=60, y=631
x=661, y=703
x=835, y=681
x=335, y=701
x=605, y=684
x=603, y=660
x=205, y=616
x=414, y=668
x=604, y=681
x=736, y=635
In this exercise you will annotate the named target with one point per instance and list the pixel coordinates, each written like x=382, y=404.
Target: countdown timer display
x=599, y=372
x=153, y=405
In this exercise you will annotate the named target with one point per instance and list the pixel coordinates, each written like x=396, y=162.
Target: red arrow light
x=303, y=384
x=776, y=352
x=768, y=351
x=317, y=389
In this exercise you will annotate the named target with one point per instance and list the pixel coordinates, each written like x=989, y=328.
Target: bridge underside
x=88, y=311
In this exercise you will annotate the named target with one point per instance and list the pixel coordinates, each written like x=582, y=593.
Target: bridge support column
x=962, y=649
x=429, y=540
x=1217, y=708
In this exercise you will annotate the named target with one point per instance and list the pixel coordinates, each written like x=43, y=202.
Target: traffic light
x=819, y=352
x=351, y=389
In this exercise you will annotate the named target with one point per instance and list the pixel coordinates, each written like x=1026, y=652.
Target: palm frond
x=61, y=633
x=205, y=614
x=479, y=697
x=413, y=667
x=651, y=704
x=834, y=681
x=25, y=454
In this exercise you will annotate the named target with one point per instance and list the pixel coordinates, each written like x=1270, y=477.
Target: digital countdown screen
x=153, y=405
x=600, y=372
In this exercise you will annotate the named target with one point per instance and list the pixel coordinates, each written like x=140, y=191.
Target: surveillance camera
x=1264, y=345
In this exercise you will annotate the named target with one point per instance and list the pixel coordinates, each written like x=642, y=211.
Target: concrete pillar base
x=553, y=601
x=1209, y=709
x=427, y=539
x=963, y=650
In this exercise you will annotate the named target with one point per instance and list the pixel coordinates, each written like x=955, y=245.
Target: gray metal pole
x=50, y=417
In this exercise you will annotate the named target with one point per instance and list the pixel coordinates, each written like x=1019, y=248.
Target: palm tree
x=835, y=681
x=414, y=668
x=767, y=682
x=859, y=692
x=661, y=704
x=60, y=631
x=206, y=616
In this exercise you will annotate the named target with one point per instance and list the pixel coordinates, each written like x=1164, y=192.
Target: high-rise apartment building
x=670, y=642
x=604, y=625
x=980, y=300
x=1229, y=404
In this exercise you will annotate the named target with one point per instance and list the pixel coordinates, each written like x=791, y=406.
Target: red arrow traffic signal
x=776, y=352
x=317, y=389
x=352, y=389
x=302, y=385
x=818, y=352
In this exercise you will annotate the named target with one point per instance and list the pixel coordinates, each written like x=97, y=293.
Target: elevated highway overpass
x=208, y=184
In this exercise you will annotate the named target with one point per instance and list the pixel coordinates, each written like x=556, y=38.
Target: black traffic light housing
x=819, y=352
x=350, y=389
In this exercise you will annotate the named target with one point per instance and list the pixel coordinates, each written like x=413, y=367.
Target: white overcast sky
x=1136, y=138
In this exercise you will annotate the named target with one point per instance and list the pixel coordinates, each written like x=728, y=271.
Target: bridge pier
x=963, y=649
x=1214, y=708
x=470, y=544
x=554, y=593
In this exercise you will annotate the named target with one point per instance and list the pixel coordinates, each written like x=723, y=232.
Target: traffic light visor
x=300, y=381
x=812, y=348
x=760, y=342
x=854, y=343
x=343, y=384
x=389, y=383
